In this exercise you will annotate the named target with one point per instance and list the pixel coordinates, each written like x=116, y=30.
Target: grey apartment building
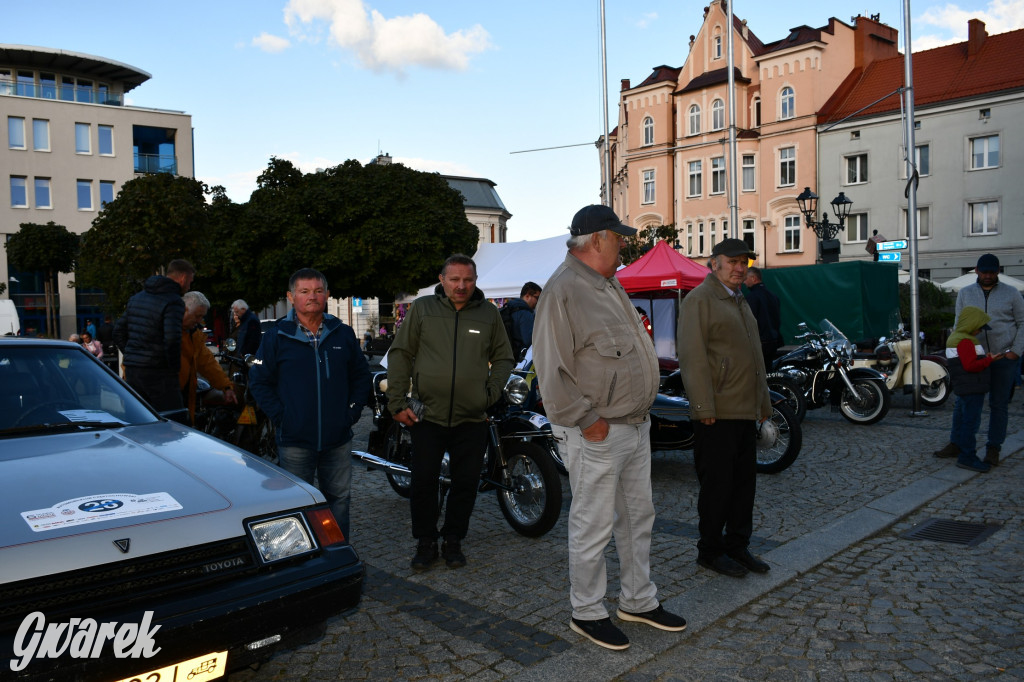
x=70, y=142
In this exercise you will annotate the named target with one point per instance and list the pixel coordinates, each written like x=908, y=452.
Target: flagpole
x=606, y=194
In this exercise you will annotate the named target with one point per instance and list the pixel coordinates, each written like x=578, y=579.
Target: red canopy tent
x=661, y=272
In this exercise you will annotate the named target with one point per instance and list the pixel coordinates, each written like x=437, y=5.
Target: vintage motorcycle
x=820, y=371
x=778, y=441
x=518, y=464
x=244, y=425
x=893, y=358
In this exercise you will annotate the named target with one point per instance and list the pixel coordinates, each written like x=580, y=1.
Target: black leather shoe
x=750, y=562
x=724, y=565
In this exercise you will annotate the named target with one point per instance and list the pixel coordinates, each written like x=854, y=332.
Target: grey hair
x=580, y=241
x=194, y=300
x=240, y=305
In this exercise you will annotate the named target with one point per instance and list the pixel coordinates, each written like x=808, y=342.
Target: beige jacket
x=593, y=357
x=720, y=358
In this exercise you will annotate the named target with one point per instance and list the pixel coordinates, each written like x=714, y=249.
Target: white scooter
x=892, y=357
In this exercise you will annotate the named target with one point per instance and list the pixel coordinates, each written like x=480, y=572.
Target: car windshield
x=57, y=387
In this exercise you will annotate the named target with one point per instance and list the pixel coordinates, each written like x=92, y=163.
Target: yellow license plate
x=199, y=669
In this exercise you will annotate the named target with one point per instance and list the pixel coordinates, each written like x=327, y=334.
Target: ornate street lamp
x=828, y=245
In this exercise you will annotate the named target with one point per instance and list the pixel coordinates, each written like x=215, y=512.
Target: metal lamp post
x=826, y=231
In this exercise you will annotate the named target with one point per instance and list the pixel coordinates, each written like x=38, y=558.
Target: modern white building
x=70, y=141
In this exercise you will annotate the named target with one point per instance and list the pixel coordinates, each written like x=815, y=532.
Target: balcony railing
x=60, y=92
x=155, y=163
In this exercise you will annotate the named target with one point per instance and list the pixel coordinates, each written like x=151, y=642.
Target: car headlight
x=281, y=538
x=516, y=390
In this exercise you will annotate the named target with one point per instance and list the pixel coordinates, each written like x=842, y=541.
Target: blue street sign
x=894, y=255
x=888, y=246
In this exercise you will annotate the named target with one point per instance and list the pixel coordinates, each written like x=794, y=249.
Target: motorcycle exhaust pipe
x=376, y=462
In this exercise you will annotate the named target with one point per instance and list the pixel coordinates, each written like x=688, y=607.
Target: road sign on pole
x=890, y=256
x=889, y=246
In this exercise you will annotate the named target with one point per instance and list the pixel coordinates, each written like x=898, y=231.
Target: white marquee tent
x=503, y=269
x=970, y=278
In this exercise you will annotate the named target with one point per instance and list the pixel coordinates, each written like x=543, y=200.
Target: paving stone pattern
x=881, y=608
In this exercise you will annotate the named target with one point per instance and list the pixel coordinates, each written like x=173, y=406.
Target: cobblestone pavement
x=848, y=597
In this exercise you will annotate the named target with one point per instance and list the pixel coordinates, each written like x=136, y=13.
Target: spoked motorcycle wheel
x=869, y=405
x=534, y=502
x=398, y=449
x=792, y=393
x=778, y=440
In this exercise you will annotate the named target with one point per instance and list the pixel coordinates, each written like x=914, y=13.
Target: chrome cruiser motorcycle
x=820, y=372
x=518, y=464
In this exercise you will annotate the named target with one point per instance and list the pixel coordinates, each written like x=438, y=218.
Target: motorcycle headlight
x=516, y=390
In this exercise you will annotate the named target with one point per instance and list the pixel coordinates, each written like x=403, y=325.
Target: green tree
x=50, y=248
x=935, y=309
x=154, y=219
x=642, y=242
x=374, y=231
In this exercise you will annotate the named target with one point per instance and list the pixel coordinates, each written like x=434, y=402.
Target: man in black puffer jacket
x=149, y=335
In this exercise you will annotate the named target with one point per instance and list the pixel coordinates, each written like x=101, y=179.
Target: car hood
x=70, y=497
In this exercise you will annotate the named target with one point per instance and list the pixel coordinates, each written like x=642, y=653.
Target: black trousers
x=726, y=461
x=159, y=387
x=465, y=445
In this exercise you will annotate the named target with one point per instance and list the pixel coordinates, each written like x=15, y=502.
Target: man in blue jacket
x=312, y=381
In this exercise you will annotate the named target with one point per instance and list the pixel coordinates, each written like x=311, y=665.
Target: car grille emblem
x=123, y=545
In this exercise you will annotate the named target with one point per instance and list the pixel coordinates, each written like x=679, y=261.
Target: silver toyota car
x=132, y=547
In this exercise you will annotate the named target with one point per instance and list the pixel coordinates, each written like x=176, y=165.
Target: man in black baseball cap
x=595, y=218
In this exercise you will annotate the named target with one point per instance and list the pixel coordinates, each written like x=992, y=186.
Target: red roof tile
x=942, y=74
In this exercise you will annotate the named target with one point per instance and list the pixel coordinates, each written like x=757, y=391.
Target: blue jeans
x=333, y=468
x=999, y=399
x=966, y=420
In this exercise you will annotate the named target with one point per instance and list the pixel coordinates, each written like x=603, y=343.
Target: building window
x=83, y=93
x=921, y=160
x=40, y=135
x=700, y=239
x=757, y=112
x=748, y=173
x=694, y=119
x=19, y=192
x=6, y=82
x=85, y=195
x=711, y=235
x=67, y=89
x=857, y=227
x=856, y=169
x=923, y=227
x=787, y=103
x=983, y=217
x=106, y=192
x=26, y=84
x=42, y=188
x=648, y=131
x=984, y=152
x=695, y=177
x=689, y=239
x=717, y=47
x=748, y=233
x=48, y=85
x=16, y=132
x=787, y=166
x=83, y=141
x=791, y=233
x=106, y=140
x=718, y=175
x=648, y=187
x=717, y=115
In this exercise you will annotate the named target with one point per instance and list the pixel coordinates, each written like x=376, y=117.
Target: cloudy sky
x=461, y=88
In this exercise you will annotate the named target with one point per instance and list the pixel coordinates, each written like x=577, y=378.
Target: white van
x=10, y=323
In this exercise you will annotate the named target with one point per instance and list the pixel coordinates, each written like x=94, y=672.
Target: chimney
x=975, y=36
x=625, y=84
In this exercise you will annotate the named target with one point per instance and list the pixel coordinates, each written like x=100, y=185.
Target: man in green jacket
x=723, y=371
x=452, y=350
